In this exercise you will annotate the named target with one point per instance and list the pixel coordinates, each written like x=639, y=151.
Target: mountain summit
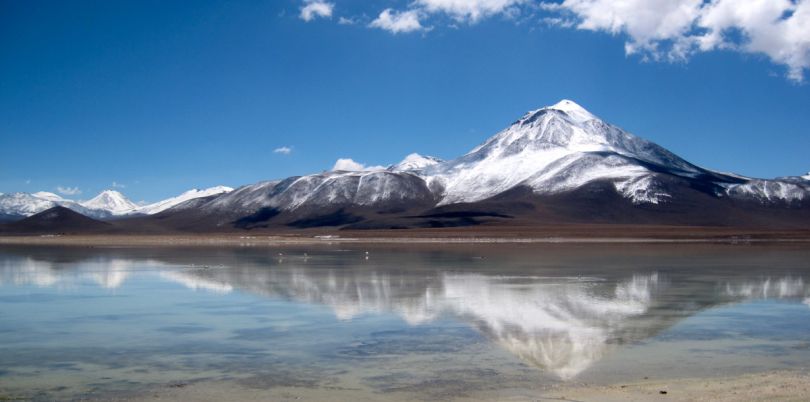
x=572, y=109
x=414, y=161
x=555, y=149
x=112, y=201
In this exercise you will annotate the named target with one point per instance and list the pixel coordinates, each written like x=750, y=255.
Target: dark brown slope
x=57, y=220
x=594, y=204
x=599, y=203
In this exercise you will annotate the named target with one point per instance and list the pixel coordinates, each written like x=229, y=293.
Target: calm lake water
x=417, y=322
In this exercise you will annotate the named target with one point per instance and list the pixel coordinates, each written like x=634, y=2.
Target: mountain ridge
x=106, y=205
x=559, y=163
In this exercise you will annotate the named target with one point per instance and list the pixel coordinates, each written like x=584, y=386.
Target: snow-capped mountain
x=563, y=147
x=327, y=189
x=552, y=150
x=163, y=205
x=111, y=201
x=107, y=204
x=20, y=205
x=24, y=204
x=414, y=161
x=547, y=155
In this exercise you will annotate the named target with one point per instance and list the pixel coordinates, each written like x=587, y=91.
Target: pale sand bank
x=772, y=386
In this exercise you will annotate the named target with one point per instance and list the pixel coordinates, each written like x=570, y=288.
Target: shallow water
x=419, y=322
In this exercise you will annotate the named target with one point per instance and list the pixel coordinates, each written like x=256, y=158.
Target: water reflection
x=107, y=273
x=562, y=325
x=781, y=288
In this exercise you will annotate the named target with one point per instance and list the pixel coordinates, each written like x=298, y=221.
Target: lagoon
x=393, y=322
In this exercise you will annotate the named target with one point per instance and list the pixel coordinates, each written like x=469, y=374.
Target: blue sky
x=159, y=97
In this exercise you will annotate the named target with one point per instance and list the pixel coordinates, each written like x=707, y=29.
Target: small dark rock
x=662, y=392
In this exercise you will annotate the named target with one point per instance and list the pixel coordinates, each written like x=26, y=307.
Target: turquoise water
x=422, y=322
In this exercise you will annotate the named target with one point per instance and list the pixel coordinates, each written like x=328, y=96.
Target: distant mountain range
x=109, y=204
x=555, y=165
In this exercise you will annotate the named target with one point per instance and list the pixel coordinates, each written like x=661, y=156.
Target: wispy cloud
x=349, y=164
x=461, y=11
x=398, y=22
x=28, y=181
x=346, y=21
x=470, y=10
x=283, y=150
x=68, y=190
x=316, y=8
x=116, y=184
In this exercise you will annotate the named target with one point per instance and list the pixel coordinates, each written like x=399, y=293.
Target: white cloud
x=352, y=166
x=68, y=190
x=676, y=29
x=316, y=8
x=398, y=22
x=470, y=10
x=283, y=150
x=116, y=184
x=659, y=30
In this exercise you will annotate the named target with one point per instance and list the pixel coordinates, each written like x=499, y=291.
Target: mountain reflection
x=562, y=325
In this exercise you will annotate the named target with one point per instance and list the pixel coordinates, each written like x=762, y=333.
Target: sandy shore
x=770, y=386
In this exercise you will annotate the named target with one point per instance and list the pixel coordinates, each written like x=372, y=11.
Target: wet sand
x=770, y=386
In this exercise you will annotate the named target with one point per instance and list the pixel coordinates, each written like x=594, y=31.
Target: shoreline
x=782, y=385
x=277, y=240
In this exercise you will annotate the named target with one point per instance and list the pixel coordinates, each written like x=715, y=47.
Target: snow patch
x=163, y=205
x=642, y=190
x=768, y=191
